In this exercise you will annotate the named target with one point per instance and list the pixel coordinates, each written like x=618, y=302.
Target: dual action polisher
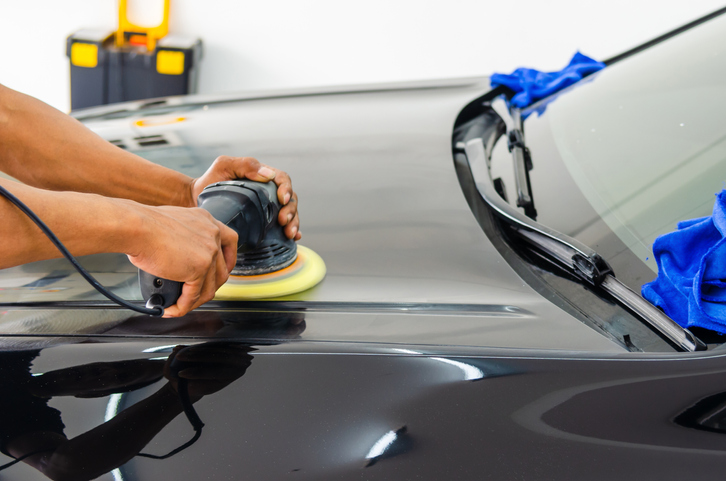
x=268, y=263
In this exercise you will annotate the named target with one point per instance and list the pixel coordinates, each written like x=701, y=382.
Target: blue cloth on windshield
x=531, y=85
x=691, y=282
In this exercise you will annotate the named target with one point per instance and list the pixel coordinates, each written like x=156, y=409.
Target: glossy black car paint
x=314, y=410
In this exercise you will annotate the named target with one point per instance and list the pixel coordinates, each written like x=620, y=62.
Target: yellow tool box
x=131, y=63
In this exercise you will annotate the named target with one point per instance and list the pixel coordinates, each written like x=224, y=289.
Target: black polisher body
x=250, y=209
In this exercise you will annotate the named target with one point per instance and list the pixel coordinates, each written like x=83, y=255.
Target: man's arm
x=177, y=243
x=45, y=148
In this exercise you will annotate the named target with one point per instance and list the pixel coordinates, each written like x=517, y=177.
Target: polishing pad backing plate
x=307, y=270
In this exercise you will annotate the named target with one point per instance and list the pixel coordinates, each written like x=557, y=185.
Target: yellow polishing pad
x=307, y=270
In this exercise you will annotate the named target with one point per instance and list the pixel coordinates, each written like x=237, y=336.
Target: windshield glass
x=644, y=142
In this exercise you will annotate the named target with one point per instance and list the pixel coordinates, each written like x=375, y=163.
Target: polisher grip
x=158, y=291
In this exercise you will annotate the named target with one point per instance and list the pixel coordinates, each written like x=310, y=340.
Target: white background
x=294, y=43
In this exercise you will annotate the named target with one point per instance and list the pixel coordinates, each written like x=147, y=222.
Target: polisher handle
x=157, y=291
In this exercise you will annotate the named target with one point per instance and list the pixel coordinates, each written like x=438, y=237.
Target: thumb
x=263, y=174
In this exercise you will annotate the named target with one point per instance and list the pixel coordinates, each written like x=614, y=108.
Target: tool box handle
x=127, y=30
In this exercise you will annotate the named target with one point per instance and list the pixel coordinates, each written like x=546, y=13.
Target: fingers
x=250, y=168
x=242, y=168
x=228, y=240
x=284, y=187
x=191, y=292
x=203, y=288
x=209, y=288
x=195, y=293
x=292, y=228
x=226, y=168
x=208, y=271
x=230, y=168
x=289, y=219
x=222, y=273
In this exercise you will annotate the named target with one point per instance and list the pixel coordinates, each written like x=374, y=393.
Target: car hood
x=379, y=201
x=321, y=412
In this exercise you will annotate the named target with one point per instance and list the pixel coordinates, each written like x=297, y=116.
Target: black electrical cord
x=192, y=416
x=157, y=311
x=23, y=457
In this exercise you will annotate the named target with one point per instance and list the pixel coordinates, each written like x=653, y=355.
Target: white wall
x=288, y=43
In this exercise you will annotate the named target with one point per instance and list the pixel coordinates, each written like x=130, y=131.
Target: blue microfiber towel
x=691, y=282
x=531, y=85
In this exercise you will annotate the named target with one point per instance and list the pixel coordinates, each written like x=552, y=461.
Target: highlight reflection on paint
x=382, y=444
x=471, y=373
x=160, y=349
x=117, y=476
x=407, y=351
x=114, y=401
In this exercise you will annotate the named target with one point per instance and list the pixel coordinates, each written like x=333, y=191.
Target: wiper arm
x=571, y=255
x=520, y=155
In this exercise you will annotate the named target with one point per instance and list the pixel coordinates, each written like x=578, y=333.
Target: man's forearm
x=45, y=148
x=177, y=243
x=85, y=223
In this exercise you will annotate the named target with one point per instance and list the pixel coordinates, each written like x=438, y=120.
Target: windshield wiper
x=522, y=161
x=570, y=254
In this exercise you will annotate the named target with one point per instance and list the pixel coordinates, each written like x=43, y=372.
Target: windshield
x=643, y=142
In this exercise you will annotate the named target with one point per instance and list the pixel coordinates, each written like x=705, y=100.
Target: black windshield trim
x=664, y=37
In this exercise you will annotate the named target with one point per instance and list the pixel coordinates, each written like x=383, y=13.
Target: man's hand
x=231, y=168
x=186, y=245
x=181, y=244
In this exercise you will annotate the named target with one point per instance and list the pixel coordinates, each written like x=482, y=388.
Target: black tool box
x=132, y=63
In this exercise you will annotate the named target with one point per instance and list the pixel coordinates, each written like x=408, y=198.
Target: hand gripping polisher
x=268, y=263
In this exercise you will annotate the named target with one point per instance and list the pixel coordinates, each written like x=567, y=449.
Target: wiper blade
x=573, y=256
x=584, y=264
x=520, y=155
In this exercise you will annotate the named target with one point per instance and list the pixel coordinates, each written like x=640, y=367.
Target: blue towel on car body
x=691, y=282
x=531, y=85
